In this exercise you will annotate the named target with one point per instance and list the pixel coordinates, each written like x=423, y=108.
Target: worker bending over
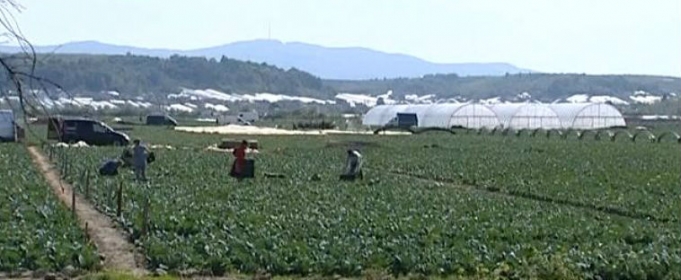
x=353, y=167
x=110, y=167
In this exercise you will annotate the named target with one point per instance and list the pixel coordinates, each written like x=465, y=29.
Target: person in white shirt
x=139, y=160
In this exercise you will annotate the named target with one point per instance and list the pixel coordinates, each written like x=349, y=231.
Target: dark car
x=92, y=132
x=161, y=120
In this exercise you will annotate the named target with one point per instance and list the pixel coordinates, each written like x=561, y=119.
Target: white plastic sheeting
x=474, y=116
x=436, y=115
x=380, y=115
x=526, y=116
x=588, y=115
x=439, y=115
x=515, y=116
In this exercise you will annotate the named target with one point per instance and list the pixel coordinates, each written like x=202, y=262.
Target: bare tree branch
x=19, y=69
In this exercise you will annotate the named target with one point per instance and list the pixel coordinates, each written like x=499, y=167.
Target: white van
x=7, y=126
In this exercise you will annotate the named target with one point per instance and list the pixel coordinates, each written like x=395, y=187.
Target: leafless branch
x=20, y=69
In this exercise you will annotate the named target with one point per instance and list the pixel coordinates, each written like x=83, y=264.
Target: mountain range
x=119, y=76
x=351, y=63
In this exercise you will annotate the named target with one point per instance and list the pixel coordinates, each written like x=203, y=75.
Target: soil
x=118, y=253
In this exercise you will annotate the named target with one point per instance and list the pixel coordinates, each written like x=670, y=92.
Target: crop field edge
x=295, y=277
x=371, y=274
x=539, y=198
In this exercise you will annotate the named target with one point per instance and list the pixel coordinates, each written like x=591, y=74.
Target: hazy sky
x=591, y=36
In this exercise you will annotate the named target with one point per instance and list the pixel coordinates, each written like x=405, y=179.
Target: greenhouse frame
x=581, y=116
x=526, y=116
x=588, y=115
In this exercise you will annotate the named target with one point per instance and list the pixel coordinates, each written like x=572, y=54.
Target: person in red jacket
x=239, y=161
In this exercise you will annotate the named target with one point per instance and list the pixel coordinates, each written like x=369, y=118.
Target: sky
x=576, y=36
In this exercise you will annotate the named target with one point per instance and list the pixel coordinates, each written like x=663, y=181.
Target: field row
x=617, y=135
x=641, y=180
x=37, y=232
x=611, y=135
x=309, y=223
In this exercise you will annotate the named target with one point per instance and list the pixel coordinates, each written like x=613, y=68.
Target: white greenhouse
x=382, y=114
x=526, y=116
x=474, y=116
x=514, y=116
x=435, y=115
x=588, y=115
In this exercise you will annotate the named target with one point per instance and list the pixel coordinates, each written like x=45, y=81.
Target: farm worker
x=354, y=164
x=240, y=160
x=110, y=167
x=139, y=160
x=126, y=157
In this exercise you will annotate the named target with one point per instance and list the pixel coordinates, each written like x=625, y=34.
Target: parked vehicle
x=160, y=119
x=92, y=132
x=407, y=120
x=7, y=126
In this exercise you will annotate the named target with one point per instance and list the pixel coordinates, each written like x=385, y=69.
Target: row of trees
x=136, y=75
x=545, y=87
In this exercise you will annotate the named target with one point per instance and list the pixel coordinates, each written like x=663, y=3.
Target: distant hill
x=324, y=62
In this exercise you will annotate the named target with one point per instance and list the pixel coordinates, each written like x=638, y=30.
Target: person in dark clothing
x=110, y=167
x=239, y=161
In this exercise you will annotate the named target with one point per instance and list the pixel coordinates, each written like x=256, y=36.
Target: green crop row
x=37, y=232
x=632, y=179
x=309, y=223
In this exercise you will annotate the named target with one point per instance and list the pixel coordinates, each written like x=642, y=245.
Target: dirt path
x=110, y=242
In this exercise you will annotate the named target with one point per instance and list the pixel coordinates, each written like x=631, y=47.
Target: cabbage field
x=430, y=204
x=37, y=232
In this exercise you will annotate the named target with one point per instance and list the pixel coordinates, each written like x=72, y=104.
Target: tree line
x=545, y=87
x=136, y=75
x=143, y=75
